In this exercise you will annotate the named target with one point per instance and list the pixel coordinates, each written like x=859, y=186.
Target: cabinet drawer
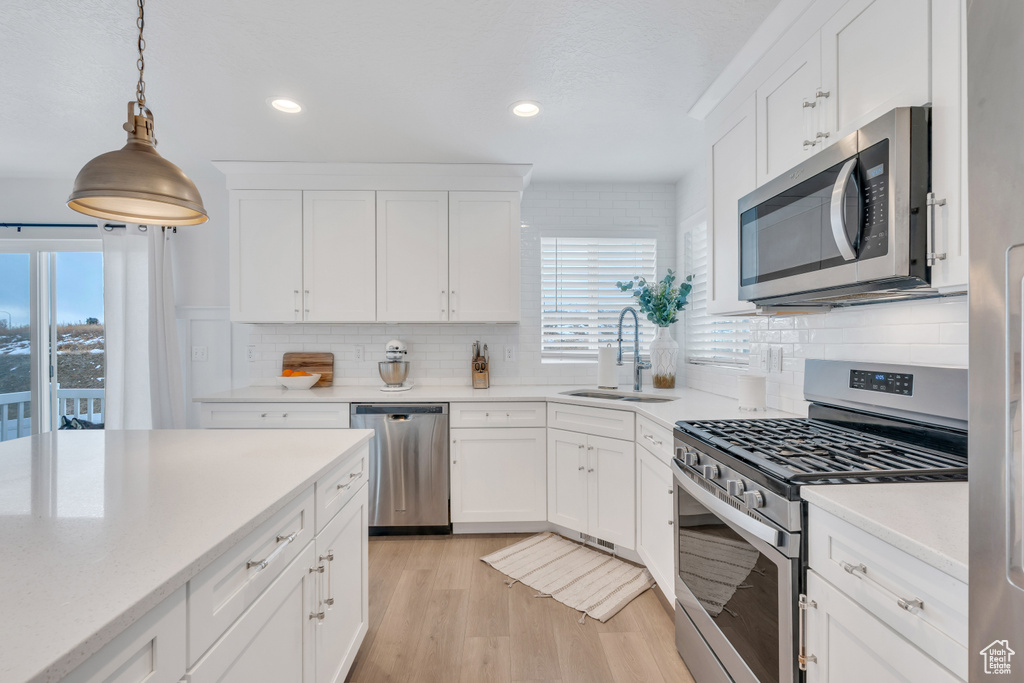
x=152, y=650
x=510, y=414
x=654, y=438
x=222, y=591
x=617, y=424
x=878, y=576
x=337, y=487
x=274, y=416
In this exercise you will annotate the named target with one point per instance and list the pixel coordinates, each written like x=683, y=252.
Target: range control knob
x=692, y=458
x=753, y=499
x=736, y=487
x=710, y=471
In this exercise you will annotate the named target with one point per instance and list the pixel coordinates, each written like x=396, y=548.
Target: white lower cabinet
x=655, y=518
x=342, y=617
x=590, y=486
x=849, y=645
x=499, y=475
x=273, y=639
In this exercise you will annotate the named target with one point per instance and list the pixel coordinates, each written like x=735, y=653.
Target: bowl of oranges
x=298, y=379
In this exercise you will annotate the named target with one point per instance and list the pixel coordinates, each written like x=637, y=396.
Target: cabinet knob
x=581, y=468
x=591, y=469
x=283, y=415
x=671, y=522
x=670, y=492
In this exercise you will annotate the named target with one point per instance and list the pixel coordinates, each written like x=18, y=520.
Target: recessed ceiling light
x=525, y=109
x=285, y=105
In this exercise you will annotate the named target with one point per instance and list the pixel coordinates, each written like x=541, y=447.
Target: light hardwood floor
x=437, y=613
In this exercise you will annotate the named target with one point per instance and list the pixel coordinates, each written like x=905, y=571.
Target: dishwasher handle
x=402, y=409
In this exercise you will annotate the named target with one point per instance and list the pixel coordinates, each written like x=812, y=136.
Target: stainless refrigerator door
x=408, y=468
x=995, y=82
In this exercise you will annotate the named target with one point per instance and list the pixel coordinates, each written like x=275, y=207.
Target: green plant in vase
x=660, y=302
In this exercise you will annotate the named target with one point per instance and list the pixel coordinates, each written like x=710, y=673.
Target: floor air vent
x=587, y=538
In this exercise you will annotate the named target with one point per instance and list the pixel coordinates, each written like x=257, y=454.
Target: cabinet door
x=344, y=589
x=567, y=479
x=412, y=256
x=874, y=57
x=731, y=174
x=483, y=253
x=949, y=143
x=851, y=646
x=339, y=256
x=499, y=475
x=655, y=517
x=266, y=255
x=612, y=494
x=787, y=112
x=273, y=640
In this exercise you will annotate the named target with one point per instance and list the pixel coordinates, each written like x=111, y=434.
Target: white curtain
x=143, y=377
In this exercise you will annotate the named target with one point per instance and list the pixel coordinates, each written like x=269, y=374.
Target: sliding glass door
x=51, y=336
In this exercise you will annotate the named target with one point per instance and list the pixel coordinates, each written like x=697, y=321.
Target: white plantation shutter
x=709, y=340
x=580, y=303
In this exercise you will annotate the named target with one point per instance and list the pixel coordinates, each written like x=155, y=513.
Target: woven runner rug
x=592, y=582
x=714, y=568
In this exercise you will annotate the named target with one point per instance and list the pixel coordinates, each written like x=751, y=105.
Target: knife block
x=482, y=377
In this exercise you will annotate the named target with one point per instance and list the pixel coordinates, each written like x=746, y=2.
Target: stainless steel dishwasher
x=408, y=466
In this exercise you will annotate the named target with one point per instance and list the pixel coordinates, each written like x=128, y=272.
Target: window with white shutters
x=710, y=340
x=580, y=302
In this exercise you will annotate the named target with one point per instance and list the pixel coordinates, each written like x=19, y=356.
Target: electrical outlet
x=360, y=352
x=510, y=353
x=200, y=353
x=776, y=359
x=250, y=353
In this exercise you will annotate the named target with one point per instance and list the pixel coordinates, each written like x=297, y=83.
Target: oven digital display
x=885, y=382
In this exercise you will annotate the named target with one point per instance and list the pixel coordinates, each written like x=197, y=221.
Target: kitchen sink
x=618, y=396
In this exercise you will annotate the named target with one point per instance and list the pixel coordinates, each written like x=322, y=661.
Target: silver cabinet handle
x=810, y=143
x=581, y=468
x=319, y=613
x=838, y=213
x=803, y=657
x=295, y=300
x=329, y=557
x=262, y=564
x=590, y=469
x=451, y=301
x=263, y=415
x=284, y=415
x=443, y=301
x=352, y=477
x=933, y=255
x=912, y=605
x=652, y=439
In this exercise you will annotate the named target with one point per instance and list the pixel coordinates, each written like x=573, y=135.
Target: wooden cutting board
x=311, y=362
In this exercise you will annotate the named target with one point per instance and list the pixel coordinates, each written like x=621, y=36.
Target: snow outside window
x=580, y=303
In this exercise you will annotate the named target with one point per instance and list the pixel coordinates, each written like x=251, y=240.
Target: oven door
x=737, y=578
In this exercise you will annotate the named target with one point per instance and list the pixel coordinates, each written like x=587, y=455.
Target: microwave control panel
x=885, y=382
x=874, y=178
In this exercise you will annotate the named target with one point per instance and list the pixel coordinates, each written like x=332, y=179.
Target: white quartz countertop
x=687, y=404
x=925, y=519
x=98, y=527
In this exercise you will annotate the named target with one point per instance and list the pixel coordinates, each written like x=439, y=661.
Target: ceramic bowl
x=299, y=382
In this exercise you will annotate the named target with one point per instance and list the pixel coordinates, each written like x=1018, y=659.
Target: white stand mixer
x=395, y=369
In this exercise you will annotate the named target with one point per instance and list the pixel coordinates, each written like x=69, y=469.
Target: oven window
x=736, y=585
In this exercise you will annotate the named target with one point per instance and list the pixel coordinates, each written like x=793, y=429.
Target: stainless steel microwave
x=846, y=226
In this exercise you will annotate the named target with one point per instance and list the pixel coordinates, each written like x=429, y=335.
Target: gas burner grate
x=802, y=450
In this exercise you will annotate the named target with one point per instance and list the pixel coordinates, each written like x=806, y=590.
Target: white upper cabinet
x=412, y=256
x=949, y=145
x=788, y=113
x=732, y=174
x=339, y=256
x=483, y=249
x=874, y=57
x=266, y=255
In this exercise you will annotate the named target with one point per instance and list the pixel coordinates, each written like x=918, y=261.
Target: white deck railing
x=88, y=404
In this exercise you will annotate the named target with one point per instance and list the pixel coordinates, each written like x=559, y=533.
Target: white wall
x=439, y=354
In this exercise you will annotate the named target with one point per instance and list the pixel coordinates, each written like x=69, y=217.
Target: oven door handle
x=727, y=512
x=838, y=215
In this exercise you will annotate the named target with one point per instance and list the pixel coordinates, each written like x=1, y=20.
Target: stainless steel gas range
x=740, y=545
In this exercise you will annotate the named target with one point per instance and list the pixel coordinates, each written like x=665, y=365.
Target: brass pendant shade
x=137, y=185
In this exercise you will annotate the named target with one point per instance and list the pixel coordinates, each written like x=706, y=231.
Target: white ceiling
x=382, y=80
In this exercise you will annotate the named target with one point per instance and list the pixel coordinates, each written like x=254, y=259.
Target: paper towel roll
x=607, y=374
x=752, y=393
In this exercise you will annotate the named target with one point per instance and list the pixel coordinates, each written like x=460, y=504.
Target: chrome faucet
x=638, y=365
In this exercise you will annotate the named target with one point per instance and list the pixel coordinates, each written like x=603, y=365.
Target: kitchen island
x=99, y=528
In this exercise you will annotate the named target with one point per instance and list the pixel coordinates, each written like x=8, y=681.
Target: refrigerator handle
x=1014, y=370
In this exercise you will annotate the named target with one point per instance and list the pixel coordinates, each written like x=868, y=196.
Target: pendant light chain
x=140, y=89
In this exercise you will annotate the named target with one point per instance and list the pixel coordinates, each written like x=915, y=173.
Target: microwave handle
x=839, y=211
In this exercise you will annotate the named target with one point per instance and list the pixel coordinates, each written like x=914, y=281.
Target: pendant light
x=135, y=184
